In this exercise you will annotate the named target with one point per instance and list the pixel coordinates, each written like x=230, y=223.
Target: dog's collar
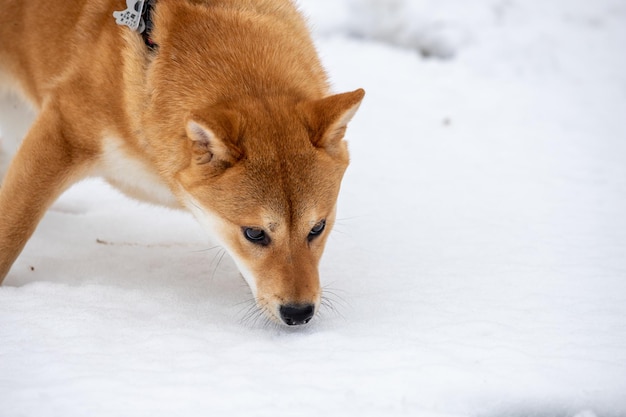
x=138, y=17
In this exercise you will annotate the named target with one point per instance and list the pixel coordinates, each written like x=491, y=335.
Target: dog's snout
x=295, y=314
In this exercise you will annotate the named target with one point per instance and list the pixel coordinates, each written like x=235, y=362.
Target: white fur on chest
x=131, y=175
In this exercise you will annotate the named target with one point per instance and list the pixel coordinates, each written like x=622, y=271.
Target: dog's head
x=264, y=179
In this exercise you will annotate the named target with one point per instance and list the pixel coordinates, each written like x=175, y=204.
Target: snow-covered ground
x=478, y=269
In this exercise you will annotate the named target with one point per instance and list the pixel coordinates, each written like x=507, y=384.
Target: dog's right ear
x=328, y=118
x=214, y=138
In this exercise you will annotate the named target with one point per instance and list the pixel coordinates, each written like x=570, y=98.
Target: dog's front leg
x=47, y=162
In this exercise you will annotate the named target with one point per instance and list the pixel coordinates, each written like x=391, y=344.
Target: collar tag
x=131, y=17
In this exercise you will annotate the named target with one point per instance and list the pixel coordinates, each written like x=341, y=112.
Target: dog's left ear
x=328, y=118
x=214, y=138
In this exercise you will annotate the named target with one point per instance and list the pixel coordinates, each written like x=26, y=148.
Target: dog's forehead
x=294, y=186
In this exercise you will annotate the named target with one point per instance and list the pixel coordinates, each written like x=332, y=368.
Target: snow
x=478, y=267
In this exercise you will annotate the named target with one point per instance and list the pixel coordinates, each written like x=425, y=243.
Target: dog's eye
x=317, y=230
x=256, y=236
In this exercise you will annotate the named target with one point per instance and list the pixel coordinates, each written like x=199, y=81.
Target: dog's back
x=41, y=40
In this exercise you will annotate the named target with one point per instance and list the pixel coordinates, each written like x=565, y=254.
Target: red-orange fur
x=231, y=114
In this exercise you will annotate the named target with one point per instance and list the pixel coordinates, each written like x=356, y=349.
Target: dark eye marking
x=317, y=230
x=256, y=236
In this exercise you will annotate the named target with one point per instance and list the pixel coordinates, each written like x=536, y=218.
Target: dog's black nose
x=295, y=314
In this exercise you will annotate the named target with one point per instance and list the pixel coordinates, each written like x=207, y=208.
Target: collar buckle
x=132, y=16
x=138, y=17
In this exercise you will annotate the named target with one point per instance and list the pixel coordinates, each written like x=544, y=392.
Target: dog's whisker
x=245, y=303
x=259, y=315
x=333, y=297
x=220, y=257
x=332, y=302
x=251, y=309
x=207, y=249
x=334, y=292
x=252, y=312
x=249, y=316
x=358, y=217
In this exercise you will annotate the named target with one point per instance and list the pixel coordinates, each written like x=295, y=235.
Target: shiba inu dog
x=220, y=107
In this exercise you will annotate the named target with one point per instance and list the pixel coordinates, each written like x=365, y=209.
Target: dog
x=220, y=107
